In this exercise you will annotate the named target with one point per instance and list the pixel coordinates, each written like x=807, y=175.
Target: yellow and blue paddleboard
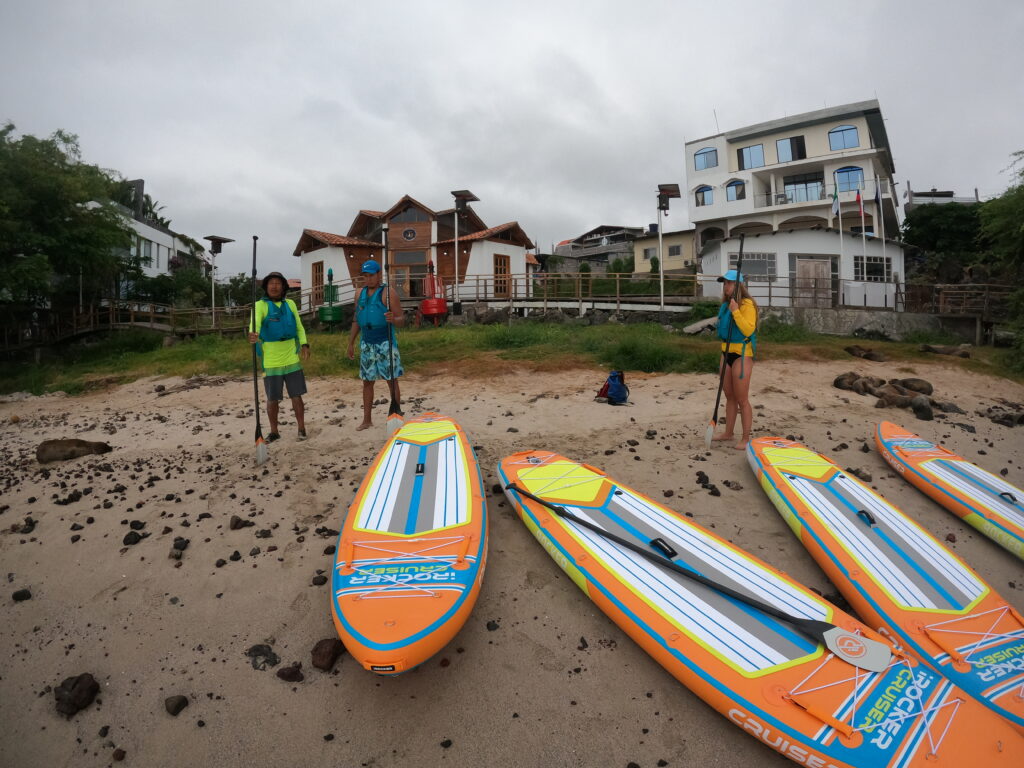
x=774, y=683
x=897, y=576
x=986, y=501
x=411, y=555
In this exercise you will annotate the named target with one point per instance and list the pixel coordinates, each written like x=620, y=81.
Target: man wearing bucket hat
x=378, y=349
x=739, y=345
x=282, y=346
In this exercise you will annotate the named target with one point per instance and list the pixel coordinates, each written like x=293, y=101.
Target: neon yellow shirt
x=280, y=357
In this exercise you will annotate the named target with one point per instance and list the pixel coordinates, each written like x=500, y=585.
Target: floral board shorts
x=373, y=362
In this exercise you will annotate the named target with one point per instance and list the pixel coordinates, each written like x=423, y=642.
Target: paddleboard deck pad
x=986, y=501
x=411, y=554
x=783, y=689
x=897, y=576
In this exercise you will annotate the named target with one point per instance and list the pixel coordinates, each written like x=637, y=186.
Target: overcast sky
x=270, y=117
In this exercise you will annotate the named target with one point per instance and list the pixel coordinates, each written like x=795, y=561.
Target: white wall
x=809, y=244
x=162, y=247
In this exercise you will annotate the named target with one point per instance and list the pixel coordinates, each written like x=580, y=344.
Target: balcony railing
x=818, y=193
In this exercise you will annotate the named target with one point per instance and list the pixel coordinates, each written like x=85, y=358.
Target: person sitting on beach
x=378, y=350
x=739, y=345
x=282, y=347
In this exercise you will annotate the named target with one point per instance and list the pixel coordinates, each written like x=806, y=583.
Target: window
x=705, y=196
x=146, y=255
x=705, y=158
x=751, y=157
x=650, y=253
x=675, y=250
x=408, y=257
x=791, y=149
x=843, y=137
x=735, y=190
x=849, y=179
x=871, y=269
x=412, y=213
x=804, y=186
x=756, y=266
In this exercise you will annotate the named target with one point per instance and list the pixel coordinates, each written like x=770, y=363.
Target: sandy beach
x=537, y=677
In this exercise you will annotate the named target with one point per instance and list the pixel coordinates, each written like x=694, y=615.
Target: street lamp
x=216, y=241
x=463, y=197
x=665, y=192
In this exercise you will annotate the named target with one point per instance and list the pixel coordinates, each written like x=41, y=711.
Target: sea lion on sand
x=62, y=450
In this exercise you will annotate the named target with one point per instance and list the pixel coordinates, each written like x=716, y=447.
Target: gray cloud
x=265, y=118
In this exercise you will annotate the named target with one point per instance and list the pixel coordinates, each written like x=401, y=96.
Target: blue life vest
x=279, y=324
x=730, y=332
x=370, y=316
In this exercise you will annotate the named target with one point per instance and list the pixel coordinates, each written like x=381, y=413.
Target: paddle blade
x=395, y=422
x=862, y=652
x=261, y=450
x=709, y=435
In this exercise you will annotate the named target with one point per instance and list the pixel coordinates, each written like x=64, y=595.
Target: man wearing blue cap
x=378, y=350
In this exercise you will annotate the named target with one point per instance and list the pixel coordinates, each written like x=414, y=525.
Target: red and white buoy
x=434, y=307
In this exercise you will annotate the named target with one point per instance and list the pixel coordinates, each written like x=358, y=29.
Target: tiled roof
x=482, y=234
x=531, y=259
x=331, y=239
x=375, y=214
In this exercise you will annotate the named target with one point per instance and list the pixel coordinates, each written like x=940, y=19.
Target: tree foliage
x=56, y=226
x=1002, y=225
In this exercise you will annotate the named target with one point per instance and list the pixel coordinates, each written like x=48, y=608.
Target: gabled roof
x=518, y=236
x=396, y=208
x=312, y=239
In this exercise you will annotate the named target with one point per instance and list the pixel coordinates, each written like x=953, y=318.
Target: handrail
x=625, y=291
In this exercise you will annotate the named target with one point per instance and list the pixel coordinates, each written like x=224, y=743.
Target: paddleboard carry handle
x=664, y=547
x=1008, y=496
x=866, y=516
x=858, y=650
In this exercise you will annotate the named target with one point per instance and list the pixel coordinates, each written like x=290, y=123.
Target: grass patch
x=467, y=351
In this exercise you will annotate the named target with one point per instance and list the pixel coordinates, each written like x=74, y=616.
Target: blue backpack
x=614, y=391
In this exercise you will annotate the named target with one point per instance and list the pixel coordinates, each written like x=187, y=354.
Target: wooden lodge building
x=417, y=237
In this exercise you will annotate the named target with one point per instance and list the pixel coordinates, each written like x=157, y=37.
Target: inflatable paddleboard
x=984, y=500
x=771, y=681
x=897, y=576
x=411, y=555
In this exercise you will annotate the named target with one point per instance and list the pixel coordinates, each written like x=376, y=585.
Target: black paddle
x=855, y=649
x=261, y=444
x=395, y=415
x=710, y=434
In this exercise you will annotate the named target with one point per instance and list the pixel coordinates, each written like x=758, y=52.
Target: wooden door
x=318, y=283
x=502, y=271
x=813, y=283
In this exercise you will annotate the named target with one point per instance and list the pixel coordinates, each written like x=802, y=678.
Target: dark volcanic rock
x=237, y=522
x=76, y=693
x=326, y=653
x=175, y=704
x=132, y=537
x=21, y=595
x=292, y=674
x=319, y=580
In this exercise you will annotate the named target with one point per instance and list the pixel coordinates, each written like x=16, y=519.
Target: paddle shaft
x=391, y=329
x=255, y=373
x=728, y=333
x=813, y=628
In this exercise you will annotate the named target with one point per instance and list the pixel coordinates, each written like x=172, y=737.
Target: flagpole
x=863, y=232
x=839, y=212
x=878, y=210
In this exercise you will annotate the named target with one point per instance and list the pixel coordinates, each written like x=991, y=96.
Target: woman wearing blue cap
x=739, y=346
x=378, y=349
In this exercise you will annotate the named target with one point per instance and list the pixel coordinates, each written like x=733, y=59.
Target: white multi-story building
x=803, y=172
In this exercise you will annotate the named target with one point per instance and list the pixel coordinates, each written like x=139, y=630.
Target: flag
x=835, y=202
x=878, y=194
x=860, y=204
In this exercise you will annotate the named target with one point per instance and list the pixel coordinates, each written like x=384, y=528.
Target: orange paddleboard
x=411, y=554
x=897, y=576
x=982, y=499
x=770, y=680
